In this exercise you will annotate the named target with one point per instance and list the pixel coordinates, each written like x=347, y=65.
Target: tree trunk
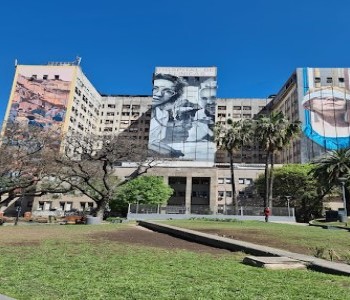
x=266, y=196
x=101, y=207
x=272, y=158
x=233, y=185
x=347, y=196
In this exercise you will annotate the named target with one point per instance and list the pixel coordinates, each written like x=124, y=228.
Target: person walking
x=267, y=213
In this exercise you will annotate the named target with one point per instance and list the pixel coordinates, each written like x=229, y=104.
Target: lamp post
x=342, y=181
x=288, y=199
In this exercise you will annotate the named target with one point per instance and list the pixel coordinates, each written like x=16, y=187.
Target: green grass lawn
x=329, y=244
x=65, y=262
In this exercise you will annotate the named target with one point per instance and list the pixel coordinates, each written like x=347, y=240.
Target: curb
x=313, y=263
x=334, y=227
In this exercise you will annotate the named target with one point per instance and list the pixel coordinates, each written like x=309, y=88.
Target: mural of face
x=207, y=98
x=329, y=104
x=322, y=105
x=163, y=91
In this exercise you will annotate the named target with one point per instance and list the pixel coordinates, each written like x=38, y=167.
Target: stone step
x=274, y=262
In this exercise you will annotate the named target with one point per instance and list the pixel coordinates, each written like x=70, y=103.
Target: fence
x=207, y=210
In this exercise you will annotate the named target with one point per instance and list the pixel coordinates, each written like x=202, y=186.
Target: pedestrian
x=267, y=213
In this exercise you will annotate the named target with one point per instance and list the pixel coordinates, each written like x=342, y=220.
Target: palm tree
x=231, y=137
x=329, y=168
x=273, y=133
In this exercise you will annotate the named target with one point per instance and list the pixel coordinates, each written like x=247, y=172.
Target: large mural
x=41, y=96
x=183, y=115
x=326, y=107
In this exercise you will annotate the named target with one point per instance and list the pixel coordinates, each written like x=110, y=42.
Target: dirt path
x=142, y=236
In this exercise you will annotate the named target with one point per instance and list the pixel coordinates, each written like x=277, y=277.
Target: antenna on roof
x=77, y=60
x=16, y=62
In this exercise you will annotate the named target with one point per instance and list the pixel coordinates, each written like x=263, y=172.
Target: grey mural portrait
x=183, y=117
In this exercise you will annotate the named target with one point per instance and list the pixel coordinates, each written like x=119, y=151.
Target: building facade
x=177, y=121
x=319, y=98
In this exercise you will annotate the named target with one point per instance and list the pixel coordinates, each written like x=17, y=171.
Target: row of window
x=46, y=77
x=65, y=206
x=222, y=107
x=329, y=80
x=227, y=180
x=223, y=194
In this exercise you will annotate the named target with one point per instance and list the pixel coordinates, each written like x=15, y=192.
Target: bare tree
x=27, y=162
x=89, y=165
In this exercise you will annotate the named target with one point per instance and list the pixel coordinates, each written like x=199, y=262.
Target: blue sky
x=255, y=44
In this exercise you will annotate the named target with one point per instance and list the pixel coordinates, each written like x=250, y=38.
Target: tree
x=295, y=181
x=26, y=162
x=230, y=138
x=273, y=133
x=89, y=165
x=330, y=167
x=144, y=189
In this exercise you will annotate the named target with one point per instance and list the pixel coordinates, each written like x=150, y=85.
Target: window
x=222, y=115
x=329, y=80
x=227, y=180
x=341, y=79
x=221, y=194
x=47, y=205
x=57, y=77
x=177, y=180
x=237, y=108
x=111, y=106
x=206, y=181
x=108, y=129
x=110, y=114
x=247, y=108
x=34, y=76
x=45, y=77
x=221, y=107
x=196, y=181
x=241, y=180
x=77, y=91
x=68, y=206
x=228, y=194
x=317, y=79
x=126, y=106
x=221, y=180
x=247, y=116
x=248, y=181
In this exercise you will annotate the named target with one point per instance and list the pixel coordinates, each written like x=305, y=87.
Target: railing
x=207, y=210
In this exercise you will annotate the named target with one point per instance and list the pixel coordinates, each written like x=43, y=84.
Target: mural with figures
x=183, y=113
